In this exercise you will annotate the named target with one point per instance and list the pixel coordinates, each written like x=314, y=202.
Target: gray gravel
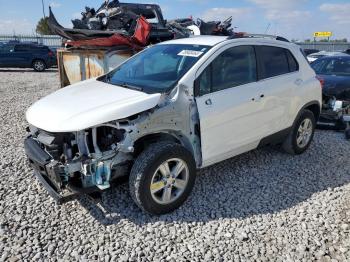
x=264, y=205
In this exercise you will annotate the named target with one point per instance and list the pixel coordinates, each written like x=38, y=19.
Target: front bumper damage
x=49, y=173
x=72, y=164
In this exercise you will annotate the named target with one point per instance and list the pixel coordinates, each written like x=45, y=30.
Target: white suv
x=171, y=109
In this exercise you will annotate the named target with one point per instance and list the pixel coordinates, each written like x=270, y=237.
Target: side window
x=21, y=48
x=235, y=66
x=318, y=65
x=293, y=64
x=273, y=61
x=6, y=49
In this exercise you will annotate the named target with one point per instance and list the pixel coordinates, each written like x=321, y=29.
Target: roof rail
x=246, y=35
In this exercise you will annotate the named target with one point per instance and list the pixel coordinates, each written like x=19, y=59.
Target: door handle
x=208, y=102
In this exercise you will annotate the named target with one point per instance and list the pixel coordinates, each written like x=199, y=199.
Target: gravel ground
x=264, y=205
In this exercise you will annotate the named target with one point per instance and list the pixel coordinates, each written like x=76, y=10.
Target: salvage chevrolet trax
x=171, y=109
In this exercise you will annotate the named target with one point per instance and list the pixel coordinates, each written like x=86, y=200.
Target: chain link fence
x=326, y=46
x=56, y=41
x=49, y=40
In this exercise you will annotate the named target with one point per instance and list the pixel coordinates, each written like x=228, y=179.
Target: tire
x=146, y=171
x=292, y=145
x=39, y=65
x=347, y=133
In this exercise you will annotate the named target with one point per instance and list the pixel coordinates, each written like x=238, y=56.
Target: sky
x=294, y=19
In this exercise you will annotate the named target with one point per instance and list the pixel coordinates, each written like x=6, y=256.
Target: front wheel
x=39, y=65
x=302, y=134
x=162, y=177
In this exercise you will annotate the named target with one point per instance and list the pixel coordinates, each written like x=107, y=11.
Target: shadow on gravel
x=264, y=181
x=25, y=70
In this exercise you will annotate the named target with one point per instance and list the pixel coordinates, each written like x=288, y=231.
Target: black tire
x=290, y=145
x=347, y=133
x=39, y=65
x=144, y=168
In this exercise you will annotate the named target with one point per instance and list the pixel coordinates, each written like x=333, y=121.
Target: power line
x=42, y=3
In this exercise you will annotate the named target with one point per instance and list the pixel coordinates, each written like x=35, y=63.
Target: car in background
x=334, y=74
x=310, y=51
x=313, y=57
x=26, y=55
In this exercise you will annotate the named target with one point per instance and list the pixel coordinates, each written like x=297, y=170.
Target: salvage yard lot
x=264, y=205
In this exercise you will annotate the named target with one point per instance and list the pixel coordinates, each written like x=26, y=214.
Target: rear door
x=23, y=55
x=229, y=111
x=279, y=78
x=6, y=54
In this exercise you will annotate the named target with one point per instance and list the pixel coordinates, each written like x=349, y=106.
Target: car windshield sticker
x=191, y=53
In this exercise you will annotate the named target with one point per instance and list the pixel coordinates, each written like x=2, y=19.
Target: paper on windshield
x=191, y=53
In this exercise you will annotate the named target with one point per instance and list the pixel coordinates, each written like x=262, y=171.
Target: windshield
x=336, y=66
x=157, y=69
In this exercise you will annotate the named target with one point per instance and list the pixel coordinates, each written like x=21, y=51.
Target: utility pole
x=42, y=3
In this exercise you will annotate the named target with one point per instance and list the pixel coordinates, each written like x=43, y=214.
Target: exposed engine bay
x=95, y=157
x=335, y=114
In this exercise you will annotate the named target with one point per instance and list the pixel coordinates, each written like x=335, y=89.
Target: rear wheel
x=299, y=140
x=39, y=65
x=162, y=177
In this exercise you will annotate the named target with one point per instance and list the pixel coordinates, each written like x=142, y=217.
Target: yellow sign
x=322, y=34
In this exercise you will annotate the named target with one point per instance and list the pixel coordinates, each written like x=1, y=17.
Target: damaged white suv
x=171, y=109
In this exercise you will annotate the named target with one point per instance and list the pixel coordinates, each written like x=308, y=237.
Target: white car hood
x=86, y=104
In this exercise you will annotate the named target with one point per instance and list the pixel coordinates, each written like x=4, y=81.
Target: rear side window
x=293, y=64
x=275, y=61
x=20, y=48
x=234, y=67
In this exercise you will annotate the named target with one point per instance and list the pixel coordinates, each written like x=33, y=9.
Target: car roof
x=210, y=40
x=328, y=53
x=344, y=56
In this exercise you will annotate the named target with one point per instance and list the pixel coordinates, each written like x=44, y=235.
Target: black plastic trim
x=35, y=152
x=276, y=138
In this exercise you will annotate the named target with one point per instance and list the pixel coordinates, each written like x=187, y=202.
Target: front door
x=229, y=105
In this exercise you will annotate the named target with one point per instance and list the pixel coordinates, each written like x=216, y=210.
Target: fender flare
x=311, y=103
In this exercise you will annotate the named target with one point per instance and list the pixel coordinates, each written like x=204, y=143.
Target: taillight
x=50, y=53
x=321, y=81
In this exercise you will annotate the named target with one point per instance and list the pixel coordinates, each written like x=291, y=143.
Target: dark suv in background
x=27, y=55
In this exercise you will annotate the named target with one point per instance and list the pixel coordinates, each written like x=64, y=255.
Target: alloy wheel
x=169, y=181
x=304, y=133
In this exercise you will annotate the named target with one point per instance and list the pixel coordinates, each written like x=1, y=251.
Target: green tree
x=43, y=27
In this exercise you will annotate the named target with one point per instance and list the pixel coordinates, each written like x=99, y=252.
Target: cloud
x=278, y=4
x=338, y=13
x=55, y=4
x=18, y=26
x=223, y=13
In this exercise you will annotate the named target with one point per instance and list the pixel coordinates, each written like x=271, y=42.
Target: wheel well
x=144, y=141
x=315, y=109
x=38, y=59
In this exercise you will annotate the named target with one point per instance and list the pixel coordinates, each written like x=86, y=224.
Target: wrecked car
x=334, y=73
x=114, y=18
x=173, y=108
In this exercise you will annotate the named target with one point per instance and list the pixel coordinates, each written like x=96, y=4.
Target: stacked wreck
x=104, y=37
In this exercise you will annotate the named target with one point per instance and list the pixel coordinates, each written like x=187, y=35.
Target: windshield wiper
x=126, y=85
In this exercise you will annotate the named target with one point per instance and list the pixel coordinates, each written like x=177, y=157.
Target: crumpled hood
x=86, y=104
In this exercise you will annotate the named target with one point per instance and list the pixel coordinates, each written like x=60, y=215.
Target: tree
x=43, y=27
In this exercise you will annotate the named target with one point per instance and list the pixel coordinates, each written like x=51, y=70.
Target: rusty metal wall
x=78, y=65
